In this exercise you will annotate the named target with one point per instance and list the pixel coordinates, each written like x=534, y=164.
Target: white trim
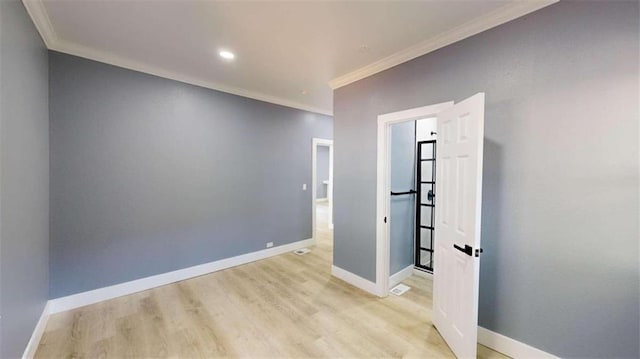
x=508, y=346
x=322, y=200
x=98, y=295
x=500, y=16
x=400, y=276
x=354, y=279
x=36, y=336
x=315, y=142
x=383, y=186
x=421, y=273
x=115, y=60
x=330, y=188
x=416, y=113
x=38, y=14
x=40, y=18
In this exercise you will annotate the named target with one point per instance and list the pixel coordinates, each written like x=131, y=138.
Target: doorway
x=412, y=198
x=456, y=180
x=322, y=186
x=384, y=189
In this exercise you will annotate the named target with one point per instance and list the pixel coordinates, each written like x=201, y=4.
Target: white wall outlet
x=269, y=244
x=304, y=186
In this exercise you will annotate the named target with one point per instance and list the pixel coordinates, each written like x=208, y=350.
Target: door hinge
x=385, y=219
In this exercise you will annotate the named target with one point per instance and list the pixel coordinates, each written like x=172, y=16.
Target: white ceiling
x=281, y=48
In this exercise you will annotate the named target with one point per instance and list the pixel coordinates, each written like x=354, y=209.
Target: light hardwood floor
x=284, y=306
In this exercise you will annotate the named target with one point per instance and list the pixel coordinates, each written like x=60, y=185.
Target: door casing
x=383, y=186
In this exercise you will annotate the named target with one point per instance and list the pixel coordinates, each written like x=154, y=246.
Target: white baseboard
x=354, y=279
x=510, y=347
x=486, y=337
x=36, y=336
x=422, y=273
x=400, y=276
x=98, y=295
x=322, y=200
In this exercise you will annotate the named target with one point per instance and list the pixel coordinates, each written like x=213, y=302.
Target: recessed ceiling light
x=227, y=54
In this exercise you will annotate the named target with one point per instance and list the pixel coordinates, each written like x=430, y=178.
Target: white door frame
x=315, y=142
x=383, y=201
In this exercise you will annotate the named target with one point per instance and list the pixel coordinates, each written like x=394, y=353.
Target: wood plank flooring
x=284, y=306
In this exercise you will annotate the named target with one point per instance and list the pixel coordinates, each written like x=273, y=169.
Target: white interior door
x=457, y=228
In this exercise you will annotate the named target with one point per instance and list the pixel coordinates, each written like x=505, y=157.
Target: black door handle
x=411, y=191
x=468, y=250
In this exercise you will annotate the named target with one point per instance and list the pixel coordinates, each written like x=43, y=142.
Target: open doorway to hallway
x=322, y=188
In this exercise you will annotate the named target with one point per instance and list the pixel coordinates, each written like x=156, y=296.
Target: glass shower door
x=425, y=210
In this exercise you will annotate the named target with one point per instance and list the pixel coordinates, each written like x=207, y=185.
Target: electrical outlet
x=269, y=244
x=304, y=186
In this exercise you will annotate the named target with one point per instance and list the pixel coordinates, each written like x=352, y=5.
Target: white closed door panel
x=457, y=228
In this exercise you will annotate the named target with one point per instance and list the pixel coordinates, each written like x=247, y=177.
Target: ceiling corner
x=38, y=14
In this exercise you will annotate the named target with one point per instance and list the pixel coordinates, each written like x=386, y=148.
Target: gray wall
x=402, y=208
x=560, y=198
x=150, y=175
x=24, y=178
x=322, y=171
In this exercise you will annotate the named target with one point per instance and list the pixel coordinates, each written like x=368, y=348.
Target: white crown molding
x=111, y=59
x=500, y=16
x=38, y=13
x=39, y=16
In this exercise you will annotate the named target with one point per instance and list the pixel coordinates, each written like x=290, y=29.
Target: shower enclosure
x=425, y=204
